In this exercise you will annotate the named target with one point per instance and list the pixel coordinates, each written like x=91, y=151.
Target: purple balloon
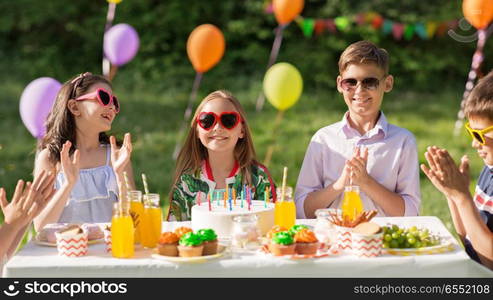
x=36, y=102
x=121, y=43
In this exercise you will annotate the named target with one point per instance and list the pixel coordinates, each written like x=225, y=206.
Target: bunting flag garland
x=399, y=31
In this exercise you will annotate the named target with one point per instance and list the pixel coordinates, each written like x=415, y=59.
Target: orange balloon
x=205, y=47
x=286, y=10
x=478, y=12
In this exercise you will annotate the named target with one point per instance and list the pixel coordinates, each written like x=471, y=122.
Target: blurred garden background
x=59, y=39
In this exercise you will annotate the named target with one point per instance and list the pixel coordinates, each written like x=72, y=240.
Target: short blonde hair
x=364, y=52
x=479, y=103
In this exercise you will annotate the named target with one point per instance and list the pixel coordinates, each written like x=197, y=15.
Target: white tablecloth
x=39, y=261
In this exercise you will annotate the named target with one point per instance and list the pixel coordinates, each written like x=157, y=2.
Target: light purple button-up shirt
x=392, y=162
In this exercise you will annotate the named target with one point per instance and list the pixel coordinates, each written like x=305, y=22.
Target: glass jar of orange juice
x=136, y=211
x=151, y=221
x=122, y=231
x=285, y=210
x=351, y=204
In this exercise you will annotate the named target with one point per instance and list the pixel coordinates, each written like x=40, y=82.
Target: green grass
x=153, y=114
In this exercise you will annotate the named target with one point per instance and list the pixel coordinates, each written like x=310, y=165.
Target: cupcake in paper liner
x=344, y=239
x=72, y=241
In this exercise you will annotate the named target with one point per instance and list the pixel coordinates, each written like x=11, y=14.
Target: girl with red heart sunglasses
x=88, y=163
x=218, y=154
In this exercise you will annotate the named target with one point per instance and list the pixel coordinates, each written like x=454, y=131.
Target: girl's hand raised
x=70, y=168
x=120, y=157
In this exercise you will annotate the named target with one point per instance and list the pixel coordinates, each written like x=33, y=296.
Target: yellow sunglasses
x=478, y=134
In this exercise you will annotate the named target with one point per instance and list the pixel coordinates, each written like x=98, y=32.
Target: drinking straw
x=225, y=196
x=209, y=201
x=284, y=177
x=198, y=198
x=266, y=196
x=234, y=196
x=242, y=195
x=146, y=187
x=127, y=185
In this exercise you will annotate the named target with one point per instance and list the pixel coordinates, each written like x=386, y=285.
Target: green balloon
x=283, y=85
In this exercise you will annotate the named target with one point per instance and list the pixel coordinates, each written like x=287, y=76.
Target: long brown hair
x=60, y=124
x=193, y=152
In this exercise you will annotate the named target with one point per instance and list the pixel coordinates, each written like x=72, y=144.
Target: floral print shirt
x=190, y=185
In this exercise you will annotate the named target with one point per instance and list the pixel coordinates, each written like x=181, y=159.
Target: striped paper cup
x=107, y=239
x=365, y=245
x=71, y=245
x=344, y=239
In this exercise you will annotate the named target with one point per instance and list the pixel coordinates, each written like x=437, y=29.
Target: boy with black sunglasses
x=472, y=215
x=363, y=149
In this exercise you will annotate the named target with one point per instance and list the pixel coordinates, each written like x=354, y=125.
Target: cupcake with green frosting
x=190, y=245
x=282, y=243
x=209, y=238
x=297, y=228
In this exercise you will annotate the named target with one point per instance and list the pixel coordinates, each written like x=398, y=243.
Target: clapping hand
x=120, y=157
x=28, y=199
x=446, y=176
x=359, y=175
x=70, y=168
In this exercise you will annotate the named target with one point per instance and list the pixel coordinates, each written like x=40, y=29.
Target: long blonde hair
x=193, y=152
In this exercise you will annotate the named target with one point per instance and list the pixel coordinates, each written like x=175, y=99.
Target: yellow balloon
x=283, y=85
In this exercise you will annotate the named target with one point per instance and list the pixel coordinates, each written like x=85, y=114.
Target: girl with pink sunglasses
x=89, y=164
x=218, y=153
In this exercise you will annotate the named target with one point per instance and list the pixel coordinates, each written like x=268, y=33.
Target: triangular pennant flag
x=420, y=30
x=377, y=22
x=431, y=27
x=319, y=26
x=408, y=31
x=442, y=28
x=397, y=30
x=308, y=26
x=387, y=26
x=360, y=19
x=331, y=26
x=342, y=23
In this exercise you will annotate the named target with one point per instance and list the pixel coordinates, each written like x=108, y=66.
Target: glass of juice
x=285, y=210
x=351, y=204
x=136, y=212
x=151, y=221
x=122, y=231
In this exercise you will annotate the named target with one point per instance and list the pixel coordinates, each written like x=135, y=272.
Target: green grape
x=395, y=235
x=401, y=240
x=413, y=229
x=407, y=245
x=411, y=240
x=395, y=227
x=394, y=244
x=418, y=244
x=385, y=245
x=410, y=235
x=387, y=237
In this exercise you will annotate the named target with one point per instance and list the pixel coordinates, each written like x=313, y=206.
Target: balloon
x=121, y=43
x=478, y=12
x=205, y=47
x=286, y=10
x=283, y=85
x=36, y=102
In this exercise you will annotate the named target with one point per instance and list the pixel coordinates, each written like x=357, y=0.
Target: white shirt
x=392, y=162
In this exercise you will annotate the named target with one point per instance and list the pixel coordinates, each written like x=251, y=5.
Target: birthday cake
x=220, y=218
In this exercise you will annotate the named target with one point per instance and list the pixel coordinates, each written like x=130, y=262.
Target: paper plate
x=221, y=250
x=442, y=248
x=264, y=250
x=49, y=244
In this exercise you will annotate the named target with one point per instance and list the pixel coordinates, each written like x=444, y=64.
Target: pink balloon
x=36, y=102
x=121, y=43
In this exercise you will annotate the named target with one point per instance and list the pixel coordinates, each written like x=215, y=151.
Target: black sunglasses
x=370, y=83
